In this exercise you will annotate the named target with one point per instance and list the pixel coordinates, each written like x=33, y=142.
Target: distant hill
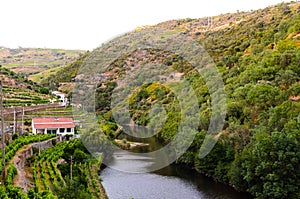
x=31, y=61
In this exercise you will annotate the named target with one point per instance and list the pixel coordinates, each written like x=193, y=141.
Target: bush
x=27, y=123
x=15, y=136
x=54, y=142
x=44, y=91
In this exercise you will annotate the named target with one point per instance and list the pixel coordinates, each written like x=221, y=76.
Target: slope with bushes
x=257, y=54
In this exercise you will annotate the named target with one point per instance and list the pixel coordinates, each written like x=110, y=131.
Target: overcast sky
x=85, y=24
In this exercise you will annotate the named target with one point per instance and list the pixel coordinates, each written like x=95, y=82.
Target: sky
x=86, y=24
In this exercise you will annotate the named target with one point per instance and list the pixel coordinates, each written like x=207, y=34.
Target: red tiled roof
x=52, y=122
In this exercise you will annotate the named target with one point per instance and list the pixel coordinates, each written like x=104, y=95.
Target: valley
x=214, y=100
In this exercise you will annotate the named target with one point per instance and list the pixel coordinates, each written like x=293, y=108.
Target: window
x=68, y=130
x=51, y=131
x=61, y=130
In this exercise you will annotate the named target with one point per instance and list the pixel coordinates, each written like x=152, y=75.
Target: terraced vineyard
x=18, y=143
x=46, y=176
x=9, y=191
x=50, y=171
x=19, y=91
x=22, y=97
x=58, y=112
x=90, y=171
x=47, y=179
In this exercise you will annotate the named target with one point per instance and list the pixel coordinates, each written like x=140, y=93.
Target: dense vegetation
x=258, y=55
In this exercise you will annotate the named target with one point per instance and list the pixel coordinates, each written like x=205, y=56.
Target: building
x=53, y=125
x=63, y=100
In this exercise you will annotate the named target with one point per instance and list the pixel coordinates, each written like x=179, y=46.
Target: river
x=172, y=182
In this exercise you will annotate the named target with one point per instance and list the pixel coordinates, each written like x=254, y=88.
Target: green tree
x=73, y=190
x=79, y=156
x=271, y=166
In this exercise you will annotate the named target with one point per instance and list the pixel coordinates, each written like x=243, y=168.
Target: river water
x=172, y=182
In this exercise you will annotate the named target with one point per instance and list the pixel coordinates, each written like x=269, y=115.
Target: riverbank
x=129, y=145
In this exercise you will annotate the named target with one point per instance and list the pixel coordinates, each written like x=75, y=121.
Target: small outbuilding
x=63, y=100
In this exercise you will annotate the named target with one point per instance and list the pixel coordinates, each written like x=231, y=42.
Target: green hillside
x=60, y=77
x=257, y=54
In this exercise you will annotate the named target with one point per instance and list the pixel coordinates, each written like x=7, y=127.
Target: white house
x=53, y=125
x=63, y=100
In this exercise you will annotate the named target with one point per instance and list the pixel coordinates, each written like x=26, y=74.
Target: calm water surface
x=172, y=182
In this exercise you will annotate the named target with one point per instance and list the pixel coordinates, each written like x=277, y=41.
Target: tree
x=271, y=166
x=73, y=190
x=79, y=156
x=286, y=78
x=264, y=96
x=217, y=163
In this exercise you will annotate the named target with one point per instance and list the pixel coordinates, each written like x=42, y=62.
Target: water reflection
x=174, y=182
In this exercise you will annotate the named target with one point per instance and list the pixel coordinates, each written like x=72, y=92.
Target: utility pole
x=15, y=125
x=22, y=120
x=16, y=121
x=209, y=21
x=39, y=144
x=71, y=162
x=2, y=134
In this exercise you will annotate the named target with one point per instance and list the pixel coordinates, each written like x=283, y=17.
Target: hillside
x=31, y=61
x=227, y=38
x=19, y=91
x=63, y=77
x=257, y=55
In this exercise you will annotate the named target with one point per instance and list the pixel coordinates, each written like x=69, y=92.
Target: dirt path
x=19, y=160
x=21, y=180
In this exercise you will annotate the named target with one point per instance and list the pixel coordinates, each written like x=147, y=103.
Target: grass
x=44, y=74
x=171, y=32
x=19, y=64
